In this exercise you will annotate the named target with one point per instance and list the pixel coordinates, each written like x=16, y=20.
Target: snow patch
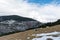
x=8, y=21
x=44, y=36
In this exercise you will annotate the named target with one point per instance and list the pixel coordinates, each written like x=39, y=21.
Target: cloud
x=45, y=13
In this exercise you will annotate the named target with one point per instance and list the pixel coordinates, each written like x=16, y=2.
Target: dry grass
x=28, y=34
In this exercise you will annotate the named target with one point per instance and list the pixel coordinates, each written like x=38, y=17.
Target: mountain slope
x=13, y=23
x=27, y=35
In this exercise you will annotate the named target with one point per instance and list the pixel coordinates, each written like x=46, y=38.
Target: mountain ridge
x=15, y=17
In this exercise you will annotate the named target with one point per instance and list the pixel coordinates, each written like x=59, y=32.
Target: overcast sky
x=41, y=10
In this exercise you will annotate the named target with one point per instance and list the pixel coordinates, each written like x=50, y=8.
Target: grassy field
x=27, y=35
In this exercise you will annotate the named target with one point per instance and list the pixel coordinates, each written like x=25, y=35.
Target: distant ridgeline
x=13, y=23
x=51, y=23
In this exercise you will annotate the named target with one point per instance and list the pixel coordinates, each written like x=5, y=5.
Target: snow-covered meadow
x=47, y=36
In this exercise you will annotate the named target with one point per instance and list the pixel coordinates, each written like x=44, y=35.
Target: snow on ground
x=46, y=37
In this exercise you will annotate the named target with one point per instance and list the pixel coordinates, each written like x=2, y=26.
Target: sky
x=40, y=10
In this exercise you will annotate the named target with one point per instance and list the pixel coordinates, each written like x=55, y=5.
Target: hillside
x=28, y=34
x=13, y=24
x=15, y=27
